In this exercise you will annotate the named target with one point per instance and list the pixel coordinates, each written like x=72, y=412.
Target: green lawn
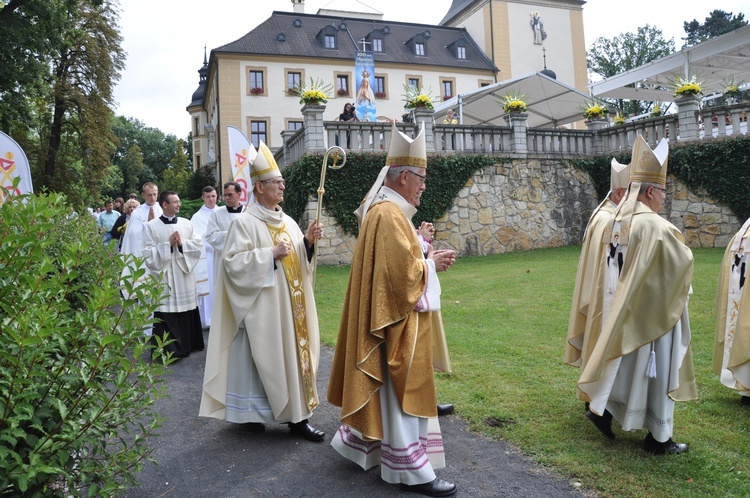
x=506, y=319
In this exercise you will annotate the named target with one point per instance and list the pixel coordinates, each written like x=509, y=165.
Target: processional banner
x=242, y=153
x=13, y=164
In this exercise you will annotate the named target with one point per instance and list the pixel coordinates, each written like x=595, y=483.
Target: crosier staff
x=336, y=153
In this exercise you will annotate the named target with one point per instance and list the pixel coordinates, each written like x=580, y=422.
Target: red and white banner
x=13, y=164
x=243, y=154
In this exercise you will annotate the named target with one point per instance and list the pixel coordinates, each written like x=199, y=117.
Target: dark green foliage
x=720, y=167
x=189, y=207
x=202, y=177
x=716, y=24
x=345, y=188
x=77, y=386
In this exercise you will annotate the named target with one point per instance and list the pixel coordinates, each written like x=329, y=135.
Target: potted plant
x=256, y=90
x=315, y=94
x=514, y=103
x=417, y=98
x=595, y=110
x=732, y=93
x=619, y=119
x=379, y=95
x=342, y=92
x=684, y=87
x=656, y=111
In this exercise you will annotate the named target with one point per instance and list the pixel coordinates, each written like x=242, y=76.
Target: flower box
x=379, y=95
x=256, y=90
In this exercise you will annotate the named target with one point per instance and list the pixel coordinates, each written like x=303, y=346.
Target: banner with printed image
x=13, y=164
x=364, y=99
x=242, y=154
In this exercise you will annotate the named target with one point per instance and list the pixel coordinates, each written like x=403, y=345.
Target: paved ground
x=201, y=457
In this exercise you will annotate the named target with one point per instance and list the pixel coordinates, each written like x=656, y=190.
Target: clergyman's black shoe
x=745, y=401
x=306, y=430
x=602, y=422
x=254, y=427
x=438, y=487
x=667, y=447
x=445, y=409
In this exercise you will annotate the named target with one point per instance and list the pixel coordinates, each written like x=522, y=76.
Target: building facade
x=244, y=83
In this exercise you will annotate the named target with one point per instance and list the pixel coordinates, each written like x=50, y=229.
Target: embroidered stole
x=293, y=273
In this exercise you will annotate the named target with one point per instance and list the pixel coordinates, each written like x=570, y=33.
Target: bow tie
x=236, y=210
x=167, y=221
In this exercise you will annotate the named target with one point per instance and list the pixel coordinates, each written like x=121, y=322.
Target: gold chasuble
x=585, y=322
x=655, y=281
x=388, y=276
x=293, y=274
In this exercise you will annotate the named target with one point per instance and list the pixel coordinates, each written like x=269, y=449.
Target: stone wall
x=535, y=203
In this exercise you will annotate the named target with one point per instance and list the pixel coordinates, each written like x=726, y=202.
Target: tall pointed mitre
x=619, y=175
x=403, y=151
x=646, y=166
x=264, y=167
x=649, y=166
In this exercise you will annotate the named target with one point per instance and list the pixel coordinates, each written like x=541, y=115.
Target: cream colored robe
x=216, y=231
x=585, y=321
x=731, y=360
x=251, y=294
x=388, y=276
x=176, y=268
x=649, y=306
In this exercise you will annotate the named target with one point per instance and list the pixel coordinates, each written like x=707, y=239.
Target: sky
x=164, y=39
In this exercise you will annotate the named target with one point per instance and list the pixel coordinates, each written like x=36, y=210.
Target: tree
x=717, y=23
x=157, y=149
x=132, y=169
x=56, y=91
x=177, y=176
x=608, y=57
x=202, y=177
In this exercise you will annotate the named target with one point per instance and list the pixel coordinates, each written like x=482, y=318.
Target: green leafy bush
x=345, y=188
x=77, y=381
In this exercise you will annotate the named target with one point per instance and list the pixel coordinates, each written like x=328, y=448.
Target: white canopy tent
x=713, y=62
x=549, y=102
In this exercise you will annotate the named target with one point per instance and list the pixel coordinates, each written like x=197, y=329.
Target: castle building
x=479, y=42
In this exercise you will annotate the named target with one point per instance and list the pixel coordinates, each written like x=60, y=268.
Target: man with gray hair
x=642, y=362
x=382, y=368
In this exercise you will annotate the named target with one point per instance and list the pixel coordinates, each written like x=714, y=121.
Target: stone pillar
x=519, y=143
x=688, y=108
x=423, y=115
x=597, y=142
x=285, y=136
x=314, y=132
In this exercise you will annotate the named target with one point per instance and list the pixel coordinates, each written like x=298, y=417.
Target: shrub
x=77, y=384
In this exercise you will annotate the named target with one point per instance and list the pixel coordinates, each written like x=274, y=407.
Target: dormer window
x=375, y=39
x=419, y=45
x=328, y=37
x=458, y=49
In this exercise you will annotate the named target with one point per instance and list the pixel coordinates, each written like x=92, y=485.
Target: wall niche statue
x=538, y=27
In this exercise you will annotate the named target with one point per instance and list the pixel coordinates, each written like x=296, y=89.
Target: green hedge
x=345, y=188
x=720, y=167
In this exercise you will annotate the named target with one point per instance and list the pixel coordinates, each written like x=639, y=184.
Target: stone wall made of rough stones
x=531, y=204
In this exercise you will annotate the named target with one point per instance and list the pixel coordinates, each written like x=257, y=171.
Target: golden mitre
x=649, y=166
x=619, y=175
x=264, y=167
x=407, y=152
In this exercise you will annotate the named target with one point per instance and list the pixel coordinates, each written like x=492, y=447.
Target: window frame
x=249, y=70
x=266, y=120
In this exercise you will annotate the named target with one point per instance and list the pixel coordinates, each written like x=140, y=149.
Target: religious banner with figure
x=13, y=164
x=242, y=154
x=364, y=102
